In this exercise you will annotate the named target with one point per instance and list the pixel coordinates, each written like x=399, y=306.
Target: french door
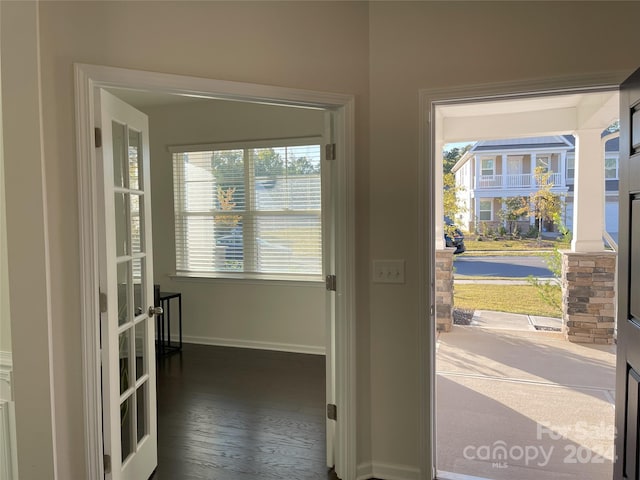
x=126, y=291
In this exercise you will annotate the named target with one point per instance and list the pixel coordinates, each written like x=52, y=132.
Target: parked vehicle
x=453, y=237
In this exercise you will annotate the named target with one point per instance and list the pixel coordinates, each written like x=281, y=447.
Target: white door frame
x=87, y=78
x=428, y=176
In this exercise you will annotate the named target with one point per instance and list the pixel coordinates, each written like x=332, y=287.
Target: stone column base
x=589, y=296
x=444, y=289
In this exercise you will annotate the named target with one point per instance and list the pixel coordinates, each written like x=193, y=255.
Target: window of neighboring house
x=611, y=168
x=543, y=162
x=249, y=210
x=571, y=168
x=486, y=210
x=487, y=166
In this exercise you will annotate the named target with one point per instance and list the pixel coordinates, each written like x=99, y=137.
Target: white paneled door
x=126, y=289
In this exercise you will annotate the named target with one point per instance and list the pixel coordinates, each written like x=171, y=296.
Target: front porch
x=515, y=403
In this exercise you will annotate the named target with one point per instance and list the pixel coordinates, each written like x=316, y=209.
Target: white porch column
x=563, y=168
x=439, y=203
x=504, y=172
x=588, y=203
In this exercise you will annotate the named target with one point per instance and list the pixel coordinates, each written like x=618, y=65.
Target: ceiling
x=526, y=117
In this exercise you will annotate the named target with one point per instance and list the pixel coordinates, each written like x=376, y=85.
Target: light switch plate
x=388, y=271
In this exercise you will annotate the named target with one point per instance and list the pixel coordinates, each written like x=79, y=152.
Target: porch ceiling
x=540, y=116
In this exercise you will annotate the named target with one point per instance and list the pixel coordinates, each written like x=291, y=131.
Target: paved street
x=501, y=266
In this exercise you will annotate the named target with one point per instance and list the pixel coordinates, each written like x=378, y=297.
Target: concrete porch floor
x=518, y=404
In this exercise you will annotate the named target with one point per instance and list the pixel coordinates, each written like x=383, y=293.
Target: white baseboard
x=386, y=471
x=238, y=343
x=457, y=476
x=364, y=471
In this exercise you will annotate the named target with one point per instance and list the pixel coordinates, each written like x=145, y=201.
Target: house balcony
x=516, y=181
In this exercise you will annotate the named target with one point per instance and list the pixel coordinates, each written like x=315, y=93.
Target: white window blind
x=248, y=210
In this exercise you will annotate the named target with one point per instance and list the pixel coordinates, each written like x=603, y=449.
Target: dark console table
x=164, y=344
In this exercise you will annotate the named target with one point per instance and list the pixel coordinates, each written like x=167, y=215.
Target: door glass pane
x=141, y=337
x=123, y=292
x=119, y=164
x=126, y=427
x=137, y=224
x=141, y=400
x=125, y=366
x=135, y=159
x=139, y=304
x=122, y=243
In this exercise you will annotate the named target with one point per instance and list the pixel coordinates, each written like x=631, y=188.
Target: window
x=544, y=163
x=571, y=168
x=248, y=210
x=487, y=166
x=611, y=168
x=485, y=212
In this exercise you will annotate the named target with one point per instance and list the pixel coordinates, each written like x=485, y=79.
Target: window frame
x=545, y=161
x=480, y=210
x=571, y=167
x=249, y=212
x=493, y=166
x=615, y=169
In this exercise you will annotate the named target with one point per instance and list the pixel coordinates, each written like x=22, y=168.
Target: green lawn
x=510, y=245
x=503, y=298
x=514, y=248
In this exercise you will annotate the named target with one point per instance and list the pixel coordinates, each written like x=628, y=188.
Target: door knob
x=155, y=311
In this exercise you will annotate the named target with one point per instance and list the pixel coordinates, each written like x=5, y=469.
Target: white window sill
x=249, y=279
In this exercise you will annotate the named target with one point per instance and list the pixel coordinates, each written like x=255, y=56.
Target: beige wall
x=382, y=52
x=287, y=316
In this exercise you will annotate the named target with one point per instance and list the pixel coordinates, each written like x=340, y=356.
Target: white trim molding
x=90, y=77
x=429, y=140
x=6, y=376
x=8, y=453
x=254, y=344
x=387, y=471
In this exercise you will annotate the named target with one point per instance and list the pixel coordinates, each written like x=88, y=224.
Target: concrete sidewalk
x=514, y=403
x=514, y=321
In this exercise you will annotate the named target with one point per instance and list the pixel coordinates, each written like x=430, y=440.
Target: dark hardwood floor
x=240, y=414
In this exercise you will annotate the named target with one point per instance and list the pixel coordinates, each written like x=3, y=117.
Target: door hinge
x=97, y=132
x=103, y=302
x=106, y=460
x=330, y=283
x=332, y=411
x=330, y=151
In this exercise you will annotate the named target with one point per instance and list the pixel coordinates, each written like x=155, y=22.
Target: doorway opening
x=501, y=388
x=339, y=346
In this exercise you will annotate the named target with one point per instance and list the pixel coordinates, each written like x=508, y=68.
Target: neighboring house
x=494, y=170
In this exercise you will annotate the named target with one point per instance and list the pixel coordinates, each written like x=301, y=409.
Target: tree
x=452, y=204
x=267, y=163
x=228, y=167
x=451, y=157
x=515, y=208
x=302, y=166
x=545, y=205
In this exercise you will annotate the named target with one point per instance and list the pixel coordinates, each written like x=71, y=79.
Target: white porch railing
x=521, y=180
